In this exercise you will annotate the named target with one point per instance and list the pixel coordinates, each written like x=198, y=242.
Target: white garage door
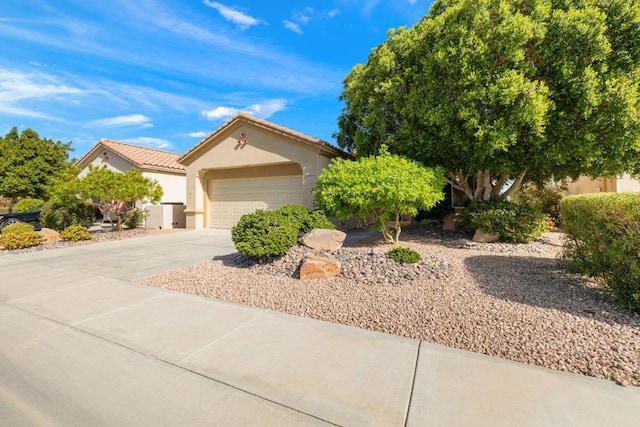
x=230, y=199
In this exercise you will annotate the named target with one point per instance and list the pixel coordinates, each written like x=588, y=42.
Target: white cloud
x=263, y=110
x=242, y=20
x=266, y=109
x=332, y=13
x=292, y=26
x=15, y=86
x=198, y=134
x=121, y=121
x=220, y=113
x=161, y=144
x=301, y=17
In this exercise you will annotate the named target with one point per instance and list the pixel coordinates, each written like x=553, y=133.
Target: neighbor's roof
x=316, y=143
x=143, y=157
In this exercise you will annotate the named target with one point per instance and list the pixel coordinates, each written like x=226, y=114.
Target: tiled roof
x=143, y=157
x=322, y=145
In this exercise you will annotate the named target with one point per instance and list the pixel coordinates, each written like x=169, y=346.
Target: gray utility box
x=166, y=216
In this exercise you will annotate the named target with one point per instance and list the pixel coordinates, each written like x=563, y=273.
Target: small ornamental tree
x=384, y=186
x=116, y=193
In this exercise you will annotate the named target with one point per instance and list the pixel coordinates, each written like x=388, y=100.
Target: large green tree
x=503, y=92
x=28, y=164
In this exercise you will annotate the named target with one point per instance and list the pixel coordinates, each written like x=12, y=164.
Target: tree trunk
x=483, y=186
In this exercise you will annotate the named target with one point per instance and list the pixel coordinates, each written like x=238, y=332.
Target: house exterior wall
x=586, y=185
x=109, y=159
x=628, y=184
x=173, y=186
x=263, y=148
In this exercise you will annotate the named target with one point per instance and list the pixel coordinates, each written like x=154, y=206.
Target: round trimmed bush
x=264, y=234
x=305, y=219
x=404, y=255
x=22, y=240
x=75, y=233
x=17, y=228
x=59, y=216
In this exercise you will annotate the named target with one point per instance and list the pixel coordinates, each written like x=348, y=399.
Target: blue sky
x=165, y=73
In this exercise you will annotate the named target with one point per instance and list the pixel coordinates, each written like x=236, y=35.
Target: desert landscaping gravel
x=507, y=300
x=98, y=236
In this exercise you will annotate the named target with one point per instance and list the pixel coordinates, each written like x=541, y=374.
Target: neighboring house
x=250, y=164
x=620, y=184
x=160, y=165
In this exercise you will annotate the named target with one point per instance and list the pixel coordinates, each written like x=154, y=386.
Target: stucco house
x=156, y=164
x=160, y=165
x=619, y=184
x=248, y=164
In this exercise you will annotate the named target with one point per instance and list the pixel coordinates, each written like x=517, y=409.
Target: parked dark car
x=32, y=216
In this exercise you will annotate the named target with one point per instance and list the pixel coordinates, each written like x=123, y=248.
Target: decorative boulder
x=451, y=222
x=50, y=235
x=317, y=267
x=482, y=237
x=323, y=240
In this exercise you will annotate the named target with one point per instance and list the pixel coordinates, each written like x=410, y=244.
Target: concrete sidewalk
x=82, y=344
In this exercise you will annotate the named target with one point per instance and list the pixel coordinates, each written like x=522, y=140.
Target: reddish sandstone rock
x=317, y=267
x=50, y=235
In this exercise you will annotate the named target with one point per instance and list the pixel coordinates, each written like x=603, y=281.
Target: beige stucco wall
x=264, y=148
x=112, y=161
x=586, y=185
x=174, y=186
x=628, y=184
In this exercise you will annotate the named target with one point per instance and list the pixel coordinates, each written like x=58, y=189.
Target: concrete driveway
x=82, y=344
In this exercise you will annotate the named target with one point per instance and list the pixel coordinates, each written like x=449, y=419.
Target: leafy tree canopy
x=385, y=187
x=28, y=163
x=501, y=92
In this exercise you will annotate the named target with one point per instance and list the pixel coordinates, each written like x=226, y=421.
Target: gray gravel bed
x=505, y=300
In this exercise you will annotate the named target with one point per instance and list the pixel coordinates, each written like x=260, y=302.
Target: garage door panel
x=230, y=199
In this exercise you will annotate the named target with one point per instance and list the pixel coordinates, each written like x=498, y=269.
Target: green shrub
x=18, y=228
x=59, y=216
x=404, y=255
x=75, y=233
x=134, y=218
x=543, y=199
x=603, y=241
x=23, y=205
x=264, y=234
x=21, y=240
x=305, y=219
x=510, y=221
